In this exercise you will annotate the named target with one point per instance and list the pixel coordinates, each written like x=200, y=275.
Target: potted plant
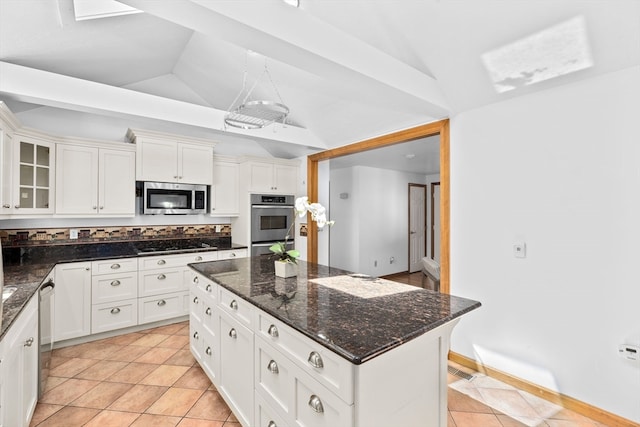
x=286, y=260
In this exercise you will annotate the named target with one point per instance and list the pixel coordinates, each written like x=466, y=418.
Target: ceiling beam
x=55, y=90
x=293, y=36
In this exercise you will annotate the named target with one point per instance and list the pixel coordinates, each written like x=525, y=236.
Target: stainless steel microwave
x=164, y=198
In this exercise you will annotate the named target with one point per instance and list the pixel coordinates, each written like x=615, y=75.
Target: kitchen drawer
x=114, y=315
x=233, y=253
x=208, y=287
x=210, y=361
x=160, y=307
x=114, y=287
x=274, y=376
x=196, y=302
x=331, y=370
x=123, y=265
x=160, y=281
x=181, y=260
x=235, y=306
x=265, y=415
x=195, y=337
x=315, y=406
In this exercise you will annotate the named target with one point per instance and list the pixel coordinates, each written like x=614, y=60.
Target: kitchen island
x=327, y=347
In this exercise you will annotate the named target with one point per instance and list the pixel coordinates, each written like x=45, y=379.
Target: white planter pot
x=285, y=269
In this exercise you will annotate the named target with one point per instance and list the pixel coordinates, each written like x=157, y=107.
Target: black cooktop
x=174, y=245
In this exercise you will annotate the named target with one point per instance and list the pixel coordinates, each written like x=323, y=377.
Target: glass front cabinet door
x=33, y=176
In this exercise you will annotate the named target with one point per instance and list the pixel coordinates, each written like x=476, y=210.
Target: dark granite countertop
x=27, y=267
x=358, y=317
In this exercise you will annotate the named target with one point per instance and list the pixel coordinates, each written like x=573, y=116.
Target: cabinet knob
x=233, y=334
x=208, y=288
x=208, y=351
x=94, y=208
x=196, y=335
x=161, y=262
x=315, y=360
x=115, y=283
x=115, y=310
x=101, y=207
x=234, y=305
x=161, y=277
x=29, y=342
x=273, y=331
x=17, y=207
x=272, y=424
x=195, y=279
x=161, y=303
x=87, y=268
x=273, y=367
x=316, y=404
x=208, y=311
x=198, y=258
x=232, y=255
x=195, y=300
x=115, y=266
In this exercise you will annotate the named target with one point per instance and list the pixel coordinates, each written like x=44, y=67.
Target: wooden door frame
x=424, y=188
x=440, y=128
x=433, y=211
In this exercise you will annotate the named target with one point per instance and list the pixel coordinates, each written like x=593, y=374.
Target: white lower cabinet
x=72, y=302
x=114, y=294
x=19, y=352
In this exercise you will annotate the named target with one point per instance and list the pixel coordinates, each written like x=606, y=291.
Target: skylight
x=553, y=52
x=96, y=9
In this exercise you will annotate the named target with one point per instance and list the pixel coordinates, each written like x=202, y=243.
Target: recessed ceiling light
x=294, y=3
x=553, y=52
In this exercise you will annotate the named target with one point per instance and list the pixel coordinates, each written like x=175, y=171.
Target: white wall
x=559, y=170
x=344, y=240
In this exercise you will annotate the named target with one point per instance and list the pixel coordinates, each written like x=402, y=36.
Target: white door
x=417, y=226
x=435, y=222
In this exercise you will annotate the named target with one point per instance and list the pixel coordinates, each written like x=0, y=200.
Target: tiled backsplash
x=49, y=236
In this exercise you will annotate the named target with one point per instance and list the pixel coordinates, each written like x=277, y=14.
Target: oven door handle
x=290, y=243
x=272, y=206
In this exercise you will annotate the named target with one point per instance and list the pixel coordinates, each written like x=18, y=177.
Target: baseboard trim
x=597, y=414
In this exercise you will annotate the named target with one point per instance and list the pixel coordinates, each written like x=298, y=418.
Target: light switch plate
x=73, y=233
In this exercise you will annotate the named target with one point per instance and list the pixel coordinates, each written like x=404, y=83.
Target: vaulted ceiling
x=348, y=70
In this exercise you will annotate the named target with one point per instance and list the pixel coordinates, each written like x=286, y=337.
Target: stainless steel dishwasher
x=45, y=315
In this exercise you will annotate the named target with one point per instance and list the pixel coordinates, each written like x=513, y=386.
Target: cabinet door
x=285, y=179
x=33, y=176
x=76, y=179
x=195, y=164
x=261, y=177
x=6, y=150
x=236, y=367
x=224, y=189
x=72, y=317
x=156, y=161
x=117, y=182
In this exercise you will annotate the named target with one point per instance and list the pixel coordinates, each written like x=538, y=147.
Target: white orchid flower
x=301, y=206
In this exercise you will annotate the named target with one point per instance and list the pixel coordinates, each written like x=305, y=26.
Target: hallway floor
x=150, y=378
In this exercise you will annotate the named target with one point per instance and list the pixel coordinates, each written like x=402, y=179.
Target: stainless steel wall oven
x=271, y=218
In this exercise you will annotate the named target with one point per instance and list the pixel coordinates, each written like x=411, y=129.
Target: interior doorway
x=417, y=226
x=440, y=128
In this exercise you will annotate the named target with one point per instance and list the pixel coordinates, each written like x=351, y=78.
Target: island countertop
x=356, y=316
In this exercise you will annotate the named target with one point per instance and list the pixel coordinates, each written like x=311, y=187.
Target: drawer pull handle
x=273, y=367
x=161, y=277
x=208, y=288
x=6, y=206
x=234, y=305
x=196, y=335
x=161, y=262
x=208, y=351
x=273, y=331
x=115, y=283
x=272, y=424
x=316, y=404
x=115, y=266
x=29, y=342
x=198, y=258
x=161, y=303
x=208, y=311
x=195, y=279
x=315, y=360
x=115, y=310
x=233, y=334
x=195, y=300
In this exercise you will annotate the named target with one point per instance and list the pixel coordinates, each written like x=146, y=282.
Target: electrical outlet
x=375, y=263
x=629, y=351
x=73, y=233
x=520, y=250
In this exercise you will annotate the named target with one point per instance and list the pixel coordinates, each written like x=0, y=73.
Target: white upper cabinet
x=270, y=176
x=8, y=124
x=33, y=174
x=95, y=181
x=170, y=158
x=224, y=187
